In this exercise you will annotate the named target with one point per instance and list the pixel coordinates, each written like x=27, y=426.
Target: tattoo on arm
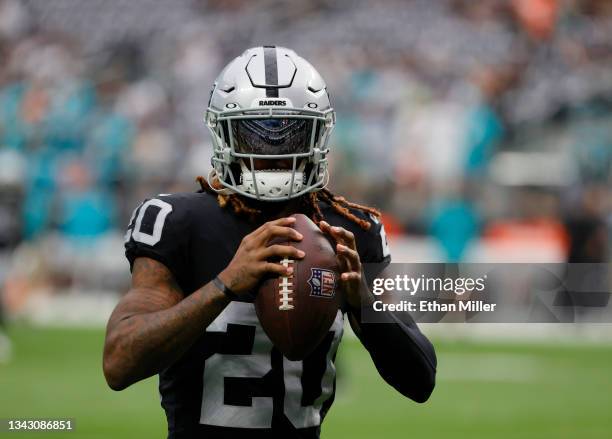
x=153, y=324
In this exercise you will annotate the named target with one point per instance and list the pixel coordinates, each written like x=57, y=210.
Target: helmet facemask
x=270, y=154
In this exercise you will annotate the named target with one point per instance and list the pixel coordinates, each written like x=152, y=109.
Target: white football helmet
x=268, y=105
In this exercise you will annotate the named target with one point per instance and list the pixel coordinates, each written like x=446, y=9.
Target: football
x=296, y=312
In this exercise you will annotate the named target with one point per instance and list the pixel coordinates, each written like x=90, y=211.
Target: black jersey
x=233, y=382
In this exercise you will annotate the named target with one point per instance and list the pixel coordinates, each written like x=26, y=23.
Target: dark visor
x=272, y=136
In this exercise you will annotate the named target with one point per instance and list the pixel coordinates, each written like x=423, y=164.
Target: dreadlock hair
x=310, y=204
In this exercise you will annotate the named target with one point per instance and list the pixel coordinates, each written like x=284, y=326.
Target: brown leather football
x=296, y=312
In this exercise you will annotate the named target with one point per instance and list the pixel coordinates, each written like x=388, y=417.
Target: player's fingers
x=282, y=251
x=285, y=221
x=344, y=263
x=346, y=236
x=351, y=256
x=325, y=227
x=350, y=276
x=343, y=236
x=342, y=258
x=328, y=230
x=275, y=231
x=280, y=269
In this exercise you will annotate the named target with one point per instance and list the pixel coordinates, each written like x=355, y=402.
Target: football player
x=196, y=259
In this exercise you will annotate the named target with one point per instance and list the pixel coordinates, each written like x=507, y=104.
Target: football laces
x=286, y=287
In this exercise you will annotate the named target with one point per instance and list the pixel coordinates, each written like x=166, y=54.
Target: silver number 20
x=158, y=226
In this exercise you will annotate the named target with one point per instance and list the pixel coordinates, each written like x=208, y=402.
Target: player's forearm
x=404, y=357
x=143, y=344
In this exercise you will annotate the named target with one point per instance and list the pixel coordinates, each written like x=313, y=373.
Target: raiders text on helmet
x=278, y=103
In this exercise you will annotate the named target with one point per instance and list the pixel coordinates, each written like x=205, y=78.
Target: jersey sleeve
x=158, y=229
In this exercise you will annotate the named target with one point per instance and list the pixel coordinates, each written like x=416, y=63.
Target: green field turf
x=483, y=391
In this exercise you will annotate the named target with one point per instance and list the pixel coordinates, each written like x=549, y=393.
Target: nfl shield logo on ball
x=322, y=282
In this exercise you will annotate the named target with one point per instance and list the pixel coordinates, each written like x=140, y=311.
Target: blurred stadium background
x=482, y=129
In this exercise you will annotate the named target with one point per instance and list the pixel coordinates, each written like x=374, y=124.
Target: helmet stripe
x=271, y=71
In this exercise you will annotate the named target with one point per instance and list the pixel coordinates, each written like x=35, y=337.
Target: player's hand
x=351, y=278
x=251, y=261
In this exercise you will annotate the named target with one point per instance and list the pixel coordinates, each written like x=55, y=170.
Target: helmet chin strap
x=271, y=183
